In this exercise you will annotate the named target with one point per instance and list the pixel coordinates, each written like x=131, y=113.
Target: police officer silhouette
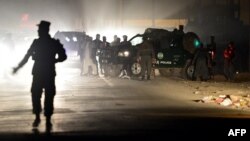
x=43, y=51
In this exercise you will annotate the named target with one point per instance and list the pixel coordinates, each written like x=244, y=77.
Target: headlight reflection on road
x=66, y=74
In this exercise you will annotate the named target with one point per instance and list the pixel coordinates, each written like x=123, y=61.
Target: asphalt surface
x=97, y=108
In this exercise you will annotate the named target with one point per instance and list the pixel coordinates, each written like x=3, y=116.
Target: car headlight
x=120, y=54
x=74, y=39
x=126, y=53
x=67, y=39
x=123, y=54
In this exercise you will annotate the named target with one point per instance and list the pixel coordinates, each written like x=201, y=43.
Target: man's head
x=118, y=40
x=104, y=39
x=125, y=37
x=181, y=27
x=98, y=36
x=43, y=28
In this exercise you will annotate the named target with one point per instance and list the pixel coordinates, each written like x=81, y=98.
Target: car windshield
x=136, y=41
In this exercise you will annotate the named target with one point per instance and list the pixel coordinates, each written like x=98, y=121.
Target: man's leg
x=82, y=67
x=149, y=67
x=143, y=66
x=101, y=67
x=226, y=69
x=50, y=91
x=86, y=67
x=231, y=72
x=36, y=93
x=94, y=68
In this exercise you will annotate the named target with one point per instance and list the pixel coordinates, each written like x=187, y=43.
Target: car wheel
x=136, y=69
x=190, y=72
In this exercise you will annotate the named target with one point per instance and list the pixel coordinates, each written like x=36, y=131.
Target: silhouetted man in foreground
x=43, y=51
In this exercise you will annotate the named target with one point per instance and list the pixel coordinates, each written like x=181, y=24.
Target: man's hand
x=138, y=59
x=15, y=70
x=153, y=60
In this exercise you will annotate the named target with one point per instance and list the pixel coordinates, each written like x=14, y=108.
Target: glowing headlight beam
x=120, y=54
x=74, y=39
x=67, y=39
x=126, y=53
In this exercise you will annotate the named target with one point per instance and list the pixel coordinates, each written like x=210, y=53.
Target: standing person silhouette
x=43, y=51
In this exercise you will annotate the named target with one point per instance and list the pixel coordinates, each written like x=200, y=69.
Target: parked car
x=71, y=41
x=173, y=51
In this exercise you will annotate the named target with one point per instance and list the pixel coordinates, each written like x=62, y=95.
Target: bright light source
x=74, y=39
x=136, y=41
x=67, y=39
x=6, y=56
x=8, y=59
x=197, y=43
x=126, y=53
x=120, y=54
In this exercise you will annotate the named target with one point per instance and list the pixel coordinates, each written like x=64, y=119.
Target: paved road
x=97, y=108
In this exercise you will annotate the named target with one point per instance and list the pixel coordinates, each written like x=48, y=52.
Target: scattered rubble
x=226, y=102
x=234, y=101
x=197, y=92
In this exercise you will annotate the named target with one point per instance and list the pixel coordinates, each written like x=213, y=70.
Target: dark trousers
x=201, y=69
x=48, y=84
x=146, y=64
x=229, y=70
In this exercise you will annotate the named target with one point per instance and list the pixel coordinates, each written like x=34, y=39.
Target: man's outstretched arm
x=22, y=63
x=25, y=58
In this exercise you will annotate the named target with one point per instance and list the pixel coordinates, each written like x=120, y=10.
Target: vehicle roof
x=68, y=33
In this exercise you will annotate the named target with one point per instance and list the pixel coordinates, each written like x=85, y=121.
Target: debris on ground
x=197, y=92
x=226, y=102
x=234, y=101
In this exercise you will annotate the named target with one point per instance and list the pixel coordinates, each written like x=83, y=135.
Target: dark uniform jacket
x=43, y=52
x=146, y=49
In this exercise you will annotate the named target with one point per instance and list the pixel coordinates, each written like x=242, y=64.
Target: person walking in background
x=125, y=46
x=89, y=64
x=103, y=60
x=201, y=63
x=229, y=54
x=96, y=51
x=145, y=56
x=80, y=52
